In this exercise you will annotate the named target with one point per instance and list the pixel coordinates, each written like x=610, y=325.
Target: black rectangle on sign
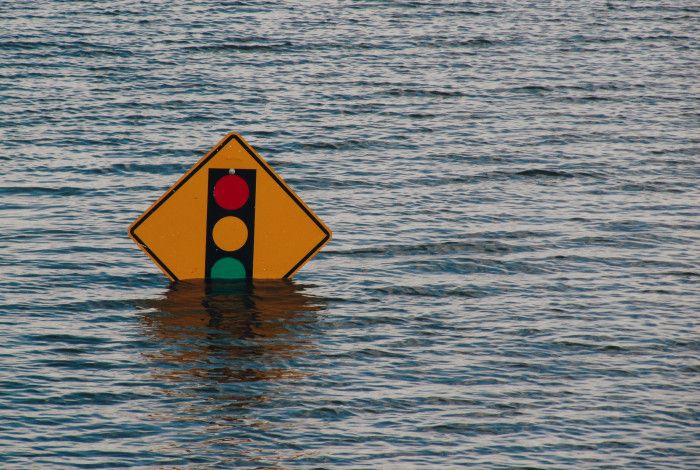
x=222, y=261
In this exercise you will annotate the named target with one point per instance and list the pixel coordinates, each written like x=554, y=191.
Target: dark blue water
x=514, y=275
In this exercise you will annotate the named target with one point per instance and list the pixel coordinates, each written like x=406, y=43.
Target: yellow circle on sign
x=230, y=233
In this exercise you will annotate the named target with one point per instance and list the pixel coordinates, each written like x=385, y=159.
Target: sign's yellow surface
x=173, y=230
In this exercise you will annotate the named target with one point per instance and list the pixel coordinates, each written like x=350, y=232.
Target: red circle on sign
x=231, y=192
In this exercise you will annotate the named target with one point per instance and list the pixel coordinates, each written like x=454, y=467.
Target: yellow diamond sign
x=230, y=217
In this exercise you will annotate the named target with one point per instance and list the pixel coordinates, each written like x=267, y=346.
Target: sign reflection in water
x=230, y=332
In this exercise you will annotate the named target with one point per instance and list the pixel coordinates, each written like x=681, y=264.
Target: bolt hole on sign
x=230, y=217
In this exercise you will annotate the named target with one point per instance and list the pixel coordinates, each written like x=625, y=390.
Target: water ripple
x=514, y=276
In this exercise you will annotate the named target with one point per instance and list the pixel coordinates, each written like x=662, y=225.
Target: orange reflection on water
x=231, y=332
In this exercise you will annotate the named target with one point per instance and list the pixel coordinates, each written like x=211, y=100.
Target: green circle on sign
x=228, y=268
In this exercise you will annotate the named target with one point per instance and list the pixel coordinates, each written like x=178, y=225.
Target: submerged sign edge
x=195, y=168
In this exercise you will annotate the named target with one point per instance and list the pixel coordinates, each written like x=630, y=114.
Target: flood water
x=514, y=275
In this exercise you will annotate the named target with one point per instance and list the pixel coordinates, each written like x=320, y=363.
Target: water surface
x=514, y=275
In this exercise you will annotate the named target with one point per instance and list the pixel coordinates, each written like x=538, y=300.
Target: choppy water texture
x=513, y=279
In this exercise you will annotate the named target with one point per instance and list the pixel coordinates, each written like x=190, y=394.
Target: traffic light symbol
x=230, y=224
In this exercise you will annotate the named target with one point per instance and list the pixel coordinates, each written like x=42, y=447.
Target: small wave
x=593, y=348
x=472, y=429
x=590, y=87
x=476, y=42
x=88, y=49
x=668, y=8
x=64, y=338
x=421, y=115
x=421, y=92
x=547, y=173
x=24, y=45
x=583, y=99
x=531, y=89
x=128, y=168
x=484, y=246
x=439, y=292
x=243, y=47
x=594, y=40
x=45, y=190
x=662, y=37
x=340, y=145
x=682, y=273
x=654, y=187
